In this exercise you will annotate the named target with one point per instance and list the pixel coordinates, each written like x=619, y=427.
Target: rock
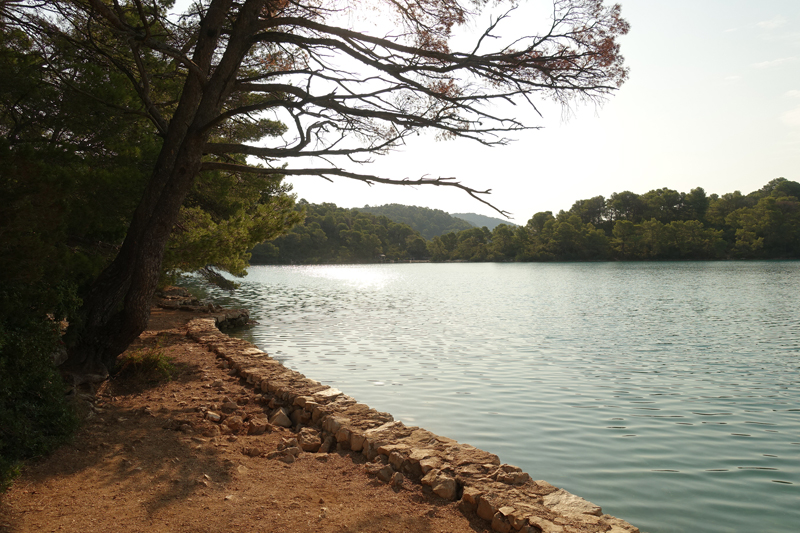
x=309, y=440
x=386, y=473
x=332, y=424
x=326, y=445
x=445, y=487
x=325, y=396
x=514, y=478
x=618, y=525
x=486, y=509
x=387, y=449
x=419, y=454
x=343, y=435
x=214, y=417
x=429, y=464
x=373, y=468
x=174, y=425
x=316, y=412
x=257, y=426
x=465, y=507
x=280, y=418
x=500, y=523
x=430, y=478
x=563, y=502
x=396, y=460
x=544, y=525
x=235, y=423
x=518, y=518
x=471, y=495
x=397, y=480
x=229, y=407
x=300, y=401
x=288, y=459
x=300, y=417
x=252, y=451
x=511, y=475
x=357, y=441
x=287, y=443
x=294, y=450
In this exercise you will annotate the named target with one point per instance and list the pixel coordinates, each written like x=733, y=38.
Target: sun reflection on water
x=361, y=276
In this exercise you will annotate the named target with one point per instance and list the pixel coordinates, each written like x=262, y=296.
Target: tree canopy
x=661, y=224
x=764, y=224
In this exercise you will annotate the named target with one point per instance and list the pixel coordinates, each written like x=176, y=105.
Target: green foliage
x=677, y=240
x=75, y=167
x=35, y=415
x=662, y=224
x=686, y=226
x=72, y=169
x=332, y=234
x=770, y=229
x=429, y=222
x=226, y=216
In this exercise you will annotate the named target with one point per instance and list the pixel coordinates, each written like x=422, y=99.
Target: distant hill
x=480, y=221
x=429, y=222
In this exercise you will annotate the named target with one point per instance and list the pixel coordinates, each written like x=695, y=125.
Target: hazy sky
x=713, y=100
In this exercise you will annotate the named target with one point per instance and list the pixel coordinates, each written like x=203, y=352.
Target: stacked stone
x=324, y=418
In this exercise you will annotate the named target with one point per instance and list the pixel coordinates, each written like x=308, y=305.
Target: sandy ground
x=125, y=473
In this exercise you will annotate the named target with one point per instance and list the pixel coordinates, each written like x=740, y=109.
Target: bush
x=35, y=415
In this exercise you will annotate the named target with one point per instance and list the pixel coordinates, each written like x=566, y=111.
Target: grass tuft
x=147, y=364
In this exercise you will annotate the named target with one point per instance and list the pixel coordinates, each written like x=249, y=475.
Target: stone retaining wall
x=324, y=419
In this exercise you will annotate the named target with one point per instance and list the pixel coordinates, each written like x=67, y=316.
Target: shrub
x=35, y=415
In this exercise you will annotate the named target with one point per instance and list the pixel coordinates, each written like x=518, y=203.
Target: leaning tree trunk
x=117, y=307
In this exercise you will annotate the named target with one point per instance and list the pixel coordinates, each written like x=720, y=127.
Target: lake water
x=667, y=393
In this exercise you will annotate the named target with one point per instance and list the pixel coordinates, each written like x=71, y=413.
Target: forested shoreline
x=661, y=224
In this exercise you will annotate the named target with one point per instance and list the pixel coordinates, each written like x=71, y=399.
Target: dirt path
x=125, y=473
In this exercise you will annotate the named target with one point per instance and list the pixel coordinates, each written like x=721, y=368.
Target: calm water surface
x=667, y=393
